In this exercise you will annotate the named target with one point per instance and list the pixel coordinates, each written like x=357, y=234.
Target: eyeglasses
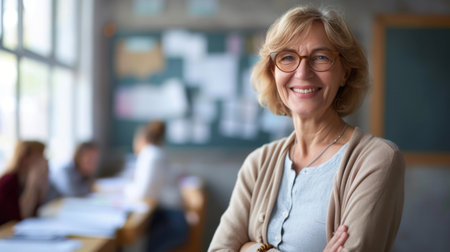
x=319, y=60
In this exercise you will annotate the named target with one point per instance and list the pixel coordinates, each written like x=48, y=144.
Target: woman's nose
x=303, y=70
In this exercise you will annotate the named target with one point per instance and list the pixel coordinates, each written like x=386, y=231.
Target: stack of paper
x=91, y=216
x=61, y=227
x=30, y=245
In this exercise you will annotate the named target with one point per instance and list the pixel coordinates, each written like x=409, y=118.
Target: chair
x=194, y=199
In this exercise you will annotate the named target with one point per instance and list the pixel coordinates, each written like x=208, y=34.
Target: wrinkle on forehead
x=304, y=44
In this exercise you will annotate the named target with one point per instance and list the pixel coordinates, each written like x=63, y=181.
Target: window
x=33, y=100
x=37, y=26
x=62, y=111
x=40, y=93
x=10, y=24
x=8, y=111
x=66, y=32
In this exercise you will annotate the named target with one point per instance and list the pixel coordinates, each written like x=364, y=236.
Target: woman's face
x=88, y=161
x=305, y=92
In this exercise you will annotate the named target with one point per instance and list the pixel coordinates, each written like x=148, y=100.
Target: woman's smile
x=305, y=92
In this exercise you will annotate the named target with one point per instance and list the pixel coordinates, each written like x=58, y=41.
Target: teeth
x=304, y=91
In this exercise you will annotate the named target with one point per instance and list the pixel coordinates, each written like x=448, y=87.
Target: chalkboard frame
x=377, y=118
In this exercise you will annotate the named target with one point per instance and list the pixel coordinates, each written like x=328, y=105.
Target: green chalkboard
x=418, y=88
x=243, y=45
x=412, y=84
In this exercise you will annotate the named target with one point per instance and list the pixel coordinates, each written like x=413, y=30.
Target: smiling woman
x=327, y=185
x=310, y=88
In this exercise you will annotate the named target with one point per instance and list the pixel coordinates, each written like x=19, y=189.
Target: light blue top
x=300, y=212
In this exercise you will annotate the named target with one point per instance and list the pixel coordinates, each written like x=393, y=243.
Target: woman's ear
x=346, y=76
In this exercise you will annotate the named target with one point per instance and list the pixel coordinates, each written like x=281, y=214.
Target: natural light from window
x=10, y=20
x=33, y=101
x=8, y=71
x=37, y=26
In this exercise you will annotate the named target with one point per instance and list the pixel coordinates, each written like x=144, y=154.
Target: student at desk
x=24, y=184
x=153, y=178
x=76, y=177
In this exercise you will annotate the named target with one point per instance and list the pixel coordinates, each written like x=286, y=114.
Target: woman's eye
x=287, y=58
x=320, y=58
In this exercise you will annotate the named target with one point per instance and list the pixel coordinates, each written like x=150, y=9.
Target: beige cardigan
x=367, y=195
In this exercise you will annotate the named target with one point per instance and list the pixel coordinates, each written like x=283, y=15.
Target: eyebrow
x=324, y=48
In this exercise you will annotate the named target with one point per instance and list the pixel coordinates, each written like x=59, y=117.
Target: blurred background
x=73, y=70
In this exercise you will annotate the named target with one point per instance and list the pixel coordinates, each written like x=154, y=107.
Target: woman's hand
x=37, y=179
x=37, y=173
x=35, y=187
x=253, y=246
x=246, y=246
x=336, y=244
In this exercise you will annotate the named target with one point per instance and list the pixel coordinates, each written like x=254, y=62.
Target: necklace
x=323, y=151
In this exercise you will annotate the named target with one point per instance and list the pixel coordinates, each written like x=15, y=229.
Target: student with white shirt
x=153, y=178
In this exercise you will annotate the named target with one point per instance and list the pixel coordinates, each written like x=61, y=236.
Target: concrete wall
x=426, y=220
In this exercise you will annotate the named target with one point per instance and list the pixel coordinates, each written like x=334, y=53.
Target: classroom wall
x=426, y=220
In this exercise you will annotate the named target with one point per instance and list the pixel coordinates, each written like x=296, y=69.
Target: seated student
x=24, y=183
x=153, y=178
x=76, y=177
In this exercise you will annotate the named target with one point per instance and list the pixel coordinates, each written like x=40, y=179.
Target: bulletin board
x=198, y=82
x=411, y=93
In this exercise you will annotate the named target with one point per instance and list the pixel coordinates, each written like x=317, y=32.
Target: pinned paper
x=204, y=109
x=148, y=102
x=148, y=7
x=201, y=132
x=183, y=44
x=220, y=76
x=239, y=119
x=202, y=8
x=234, y=44
x=179, y=131
x=139, y=57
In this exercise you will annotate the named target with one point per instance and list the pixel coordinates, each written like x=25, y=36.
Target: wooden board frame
x=377, y=120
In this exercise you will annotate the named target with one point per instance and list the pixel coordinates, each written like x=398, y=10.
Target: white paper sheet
x=179, y=131
x=98, y=215
x=201, y=132
x=204, y=109
x=148, y=102
x=15, y=245
x=184, y=44
x=240, y=118
x=219, y=76
x=61, y=227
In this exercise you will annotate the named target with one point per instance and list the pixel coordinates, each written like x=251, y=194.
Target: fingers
x=337, y=241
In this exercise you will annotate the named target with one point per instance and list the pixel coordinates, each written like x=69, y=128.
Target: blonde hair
x=298, y=21
x=22, y=150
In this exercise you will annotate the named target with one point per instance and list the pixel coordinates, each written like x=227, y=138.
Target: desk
x=90, y=244
x=135, y=227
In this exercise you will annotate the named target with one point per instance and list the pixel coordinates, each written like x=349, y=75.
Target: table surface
x=135, y=226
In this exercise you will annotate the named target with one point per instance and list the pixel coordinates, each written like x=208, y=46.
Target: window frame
x=51, y=61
